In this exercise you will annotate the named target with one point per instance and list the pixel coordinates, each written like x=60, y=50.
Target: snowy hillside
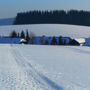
x=27, y=67
x=49, y=30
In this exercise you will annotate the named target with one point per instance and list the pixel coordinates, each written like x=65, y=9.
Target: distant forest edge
x=73, y=17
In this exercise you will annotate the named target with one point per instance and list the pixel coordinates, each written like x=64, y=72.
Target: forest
x=72, y=17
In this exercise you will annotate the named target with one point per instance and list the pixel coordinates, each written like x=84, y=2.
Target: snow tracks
x=29, y=78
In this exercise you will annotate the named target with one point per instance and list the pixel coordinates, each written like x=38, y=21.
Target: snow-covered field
x=49, y=30
x=30, y=67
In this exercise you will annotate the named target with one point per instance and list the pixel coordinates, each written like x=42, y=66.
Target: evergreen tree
x=46, y=42
x=27, y=36
x=64, y=42
x=13, y=34
x=22, y=34
x=54, y=41
x=60, y=40
x=41, y=41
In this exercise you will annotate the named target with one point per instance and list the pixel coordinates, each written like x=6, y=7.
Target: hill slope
x=49, y=30
x=7, y=21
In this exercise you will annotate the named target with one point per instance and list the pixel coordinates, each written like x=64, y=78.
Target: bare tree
x=32, y=36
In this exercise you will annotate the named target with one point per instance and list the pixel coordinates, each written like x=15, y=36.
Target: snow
x=31, y=67
x=49, y=30
x=39, y=67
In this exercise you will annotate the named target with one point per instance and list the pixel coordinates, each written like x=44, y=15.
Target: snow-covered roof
x=80, y=40
x=23, y=40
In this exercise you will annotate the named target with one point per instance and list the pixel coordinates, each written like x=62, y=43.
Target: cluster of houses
x=47, y=41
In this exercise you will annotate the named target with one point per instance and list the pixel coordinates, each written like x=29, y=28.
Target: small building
x=73, y=42
x=23, y=41
x=81, y=41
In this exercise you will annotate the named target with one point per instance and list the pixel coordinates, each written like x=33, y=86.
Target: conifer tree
x=13, y=34
x=54, y=42
x=46, y=42
x=22, y=34
x=60, y=40
x=27, y=36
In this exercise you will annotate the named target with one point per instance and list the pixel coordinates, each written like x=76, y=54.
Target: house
x=73, y=42
x=81, y=41
x=23, y=41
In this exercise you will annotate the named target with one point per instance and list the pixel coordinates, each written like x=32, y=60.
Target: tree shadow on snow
x=50, y=82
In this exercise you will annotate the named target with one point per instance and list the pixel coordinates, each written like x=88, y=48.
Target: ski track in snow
x=23, y=76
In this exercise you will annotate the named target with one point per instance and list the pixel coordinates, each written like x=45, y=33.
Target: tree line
x=74, y=17
x=24, y=35
x=32, y=39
